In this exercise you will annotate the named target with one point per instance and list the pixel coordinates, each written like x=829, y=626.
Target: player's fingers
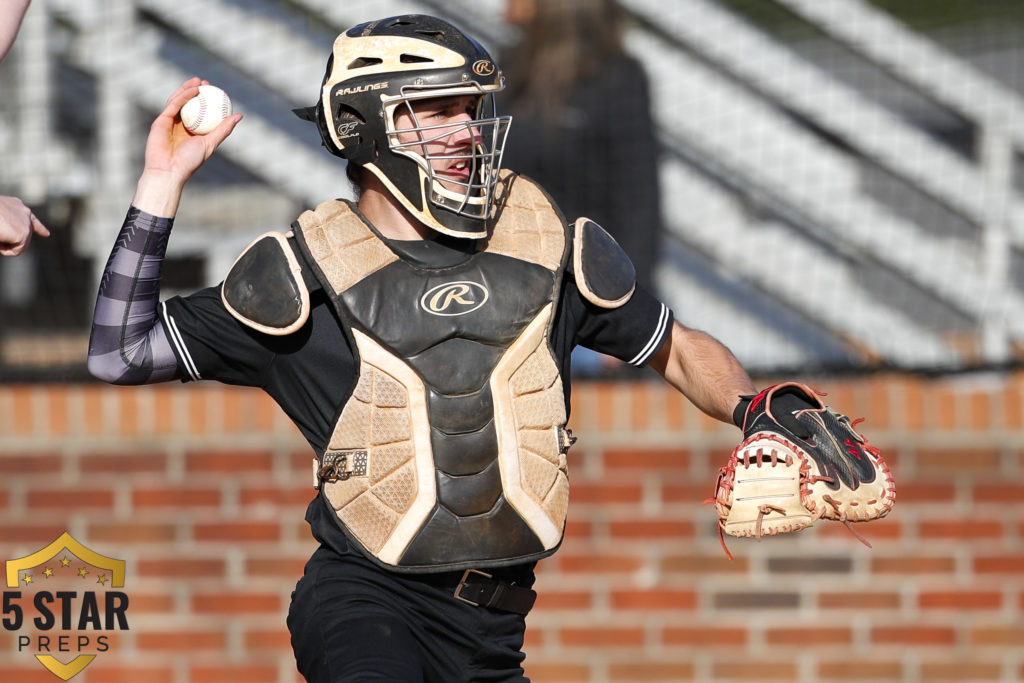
x=38, y=227
x=223, y=129
x=183, y=94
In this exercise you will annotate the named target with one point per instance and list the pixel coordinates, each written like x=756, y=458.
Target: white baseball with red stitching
x=205, y=111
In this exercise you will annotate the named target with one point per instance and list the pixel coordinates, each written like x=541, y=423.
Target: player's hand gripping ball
x=205, y=111
x=799, y=462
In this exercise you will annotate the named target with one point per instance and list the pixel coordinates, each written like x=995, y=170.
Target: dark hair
x=354, y=173
x=564, y=42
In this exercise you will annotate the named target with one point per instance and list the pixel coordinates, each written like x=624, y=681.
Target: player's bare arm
x=173, y=154
x=704, y=370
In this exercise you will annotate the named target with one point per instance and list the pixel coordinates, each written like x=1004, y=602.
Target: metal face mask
x=458, y=159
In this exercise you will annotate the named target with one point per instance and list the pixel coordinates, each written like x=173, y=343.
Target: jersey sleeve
x=633, y=332
x=210, y=343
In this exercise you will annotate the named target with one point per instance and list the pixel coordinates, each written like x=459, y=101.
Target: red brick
x=972, y=461
x=1003, y=492
x=182, y=568
x=34, y=534
x=92, y=402
x=712, y=565
x=816, y=635
x=647, y=459
x=998, y=636
x=164, y=412
x=604, y=394
x=675, y=407
x=14, y=464
x=132, y=532
x=219, y=674
x=913, y=635
x=715, y=459
x=1012, y=406
x=229, y=462
x=21, y=418
x=960, y=670
x=101, y=672
x=278, y=495
x=945, y=414
x=123, y=462
x=974, y=528
x=603, y=637
x=913, y=405
x=128, y=412
x=564, y=600
x=651, y=671
x=754, y=670
x=232, y=411
x=236, y=603
x=913, y=492
x=652, y=529
x=640, y=405
x=605, y=494
x=151, y=603
x=175, y=497
x=556, y=671
x=70, y=498
x=599, y=563
x=238, y=532
x=276, y=567
x=28, y=674
x=999, y=564
x=913, y=565
x=860, y=670
x=268, y=641
x=980, y=411
x=178, y=642
x=705, y=636
x=692, y=494
x=57, y=414
x=859, y=601
x=577, y=528
x=878, y=410
x=960, y=600
x=653, y=599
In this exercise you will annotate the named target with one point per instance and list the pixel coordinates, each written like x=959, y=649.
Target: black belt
x=483, y=590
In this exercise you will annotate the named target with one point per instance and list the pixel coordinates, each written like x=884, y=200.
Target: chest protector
x=450, y=452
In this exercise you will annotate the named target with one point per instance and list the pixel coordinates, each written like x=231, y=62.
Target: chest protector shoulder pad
x=451, y=450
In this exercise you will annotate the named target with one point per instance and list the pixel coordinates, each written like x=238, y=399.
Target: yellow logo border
x=66, y=542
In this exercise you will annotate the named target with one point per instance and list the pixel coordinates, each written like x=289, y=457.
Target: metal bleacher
x=779, y=240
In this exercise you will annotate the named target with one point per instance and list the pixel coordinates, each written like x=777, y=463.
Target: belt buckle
x=462, y=584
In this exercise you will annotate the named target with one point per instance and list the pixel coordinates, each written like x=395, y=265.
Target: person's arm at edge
x=11, y=14
x=704, y=370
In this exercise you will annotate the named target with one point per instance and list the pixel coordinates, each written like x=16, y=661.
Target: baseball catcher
x=799, y=462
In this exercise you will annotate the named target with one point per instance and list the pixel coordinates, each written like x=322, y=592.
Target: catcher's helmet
x=379, y=67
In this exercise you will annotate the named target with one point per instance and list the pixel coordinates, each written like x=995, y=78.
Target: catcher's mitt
x=799, y=462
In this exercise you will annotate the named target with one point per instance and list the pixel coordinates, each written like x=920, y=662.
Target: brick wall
x=201, y=489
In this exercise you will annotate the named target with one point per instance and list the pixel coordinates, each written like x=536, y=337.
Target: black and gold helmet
x=380, y=67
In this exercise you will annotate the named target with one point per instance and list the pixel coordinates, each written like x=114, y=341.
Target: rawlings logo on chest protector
x=454, y=298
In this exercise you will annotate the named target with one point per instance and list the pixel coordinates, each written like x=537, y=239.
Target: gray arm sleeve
x=128, y=343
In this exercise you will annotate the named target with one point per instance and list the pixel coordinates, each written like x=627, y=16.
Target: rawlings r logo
x=483, y=67
x=454, y=298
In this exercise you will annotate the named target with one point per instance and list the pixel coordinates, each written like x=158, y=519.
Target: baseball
x=206, y=110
